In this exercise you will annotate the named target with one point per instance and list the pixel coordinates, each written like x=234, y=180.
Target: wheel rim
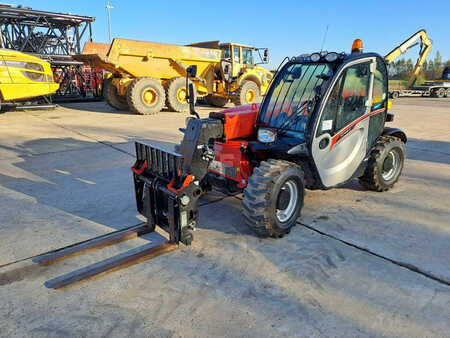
x=181, y=95
x=390, y=165
x=284, y=214
x=149, y=96
x=250, y=96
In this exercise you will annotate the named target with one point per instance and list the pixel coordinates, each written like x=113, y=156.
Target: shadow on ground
x=428, y=150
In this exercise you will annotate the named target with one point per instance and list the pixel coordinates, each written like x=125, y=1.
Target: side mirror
x=266, y=56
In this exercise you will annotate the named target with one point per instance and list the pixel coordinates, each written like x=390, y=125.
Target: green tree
x=429, y=74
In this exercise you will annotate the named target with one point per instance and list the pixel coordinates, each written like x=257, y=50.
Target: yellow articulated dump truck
x=23, y=76
x=146, y=76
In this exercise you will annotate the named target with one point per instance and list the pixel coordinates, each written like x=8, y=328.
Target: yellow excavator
x=429, y=88
x=23, y=76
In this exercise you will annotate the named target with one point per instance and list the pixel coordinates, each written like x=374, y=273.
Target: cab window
x=236, y=54
x=379, y=101
x=347, y=100
x=226, y=54
x=247, y=56
x=379, y=87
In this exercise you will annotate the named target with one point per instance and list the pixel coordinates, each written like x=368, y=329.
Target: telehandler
x=321, y=124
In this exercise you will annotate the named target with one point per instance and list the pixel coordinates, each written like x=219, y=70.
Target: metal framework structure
x=51, y=36
x=46, y=34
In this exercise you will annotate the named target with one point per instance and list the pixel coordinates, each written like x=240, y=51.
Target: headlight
x=315, y=57
x=331, y=57
x=266, y=135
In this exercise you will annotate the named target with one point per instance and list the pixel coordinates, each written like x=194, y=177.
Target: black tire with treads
x=372, y=178
x=135, y=93
x=112, y=97
x=239, y=97
x=172, y=87
x=262, y=193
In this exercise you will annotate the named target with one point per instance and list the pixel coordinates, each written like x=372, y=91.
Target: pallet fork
x=114, y=263
x=167, y=188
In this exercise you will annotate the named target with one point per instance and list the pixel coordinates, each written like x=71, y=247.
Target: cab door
x=237, y=64
x=340, y=137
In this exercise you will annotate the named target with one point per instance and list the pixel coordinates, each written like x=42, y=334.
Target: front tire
x=247, y=93
x=146, y=96
x=385, y=164
x=274, y=198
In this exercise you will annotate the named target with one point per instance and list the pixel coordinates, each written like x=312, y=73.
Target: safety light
x=357, y=46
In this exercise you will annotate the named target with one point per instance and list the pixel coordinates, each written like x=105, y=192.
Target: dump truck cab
x=247, y=81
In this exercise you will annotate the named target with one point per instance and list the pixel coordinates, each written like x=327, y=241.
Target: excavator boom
x=425, y=47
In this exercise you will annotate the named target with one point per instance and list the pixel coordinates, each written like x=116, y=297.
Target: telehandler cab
x=321, y=124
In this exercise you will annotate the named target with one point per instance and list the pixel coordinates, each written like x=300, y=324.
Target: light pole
x=108, y=9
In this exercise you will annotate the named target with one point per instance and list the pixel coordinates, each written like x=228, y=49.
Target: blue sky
x=287, y=27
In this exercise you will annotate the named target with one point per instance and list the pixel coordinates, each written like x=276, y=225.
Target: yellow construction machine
x=437, y=88
x=146, y=76
x=23, y=76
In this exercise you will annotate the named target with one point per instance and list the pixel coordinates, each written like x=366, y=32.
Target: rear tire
x=274, y=198
x=247, y=93
x=216, y=101
x=146, y=96
x=112, y=96
x=440, y=93
x=176, y=95
x=385, y=164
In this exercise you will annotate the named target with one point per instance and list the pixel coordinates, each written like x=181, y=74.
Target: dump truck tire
x=146, y=96
x=216, y=101
x=112, y=97
x=176, y=95
x=273, y=198
x=247, y=93
x=385, y=164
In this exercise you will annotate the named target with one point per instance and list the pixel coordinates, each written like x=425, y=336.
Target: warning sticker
x=327, y=125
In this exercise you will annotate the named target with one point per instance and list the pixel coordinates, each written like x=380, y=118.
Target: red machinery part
x=240, y=122
x=231, y=162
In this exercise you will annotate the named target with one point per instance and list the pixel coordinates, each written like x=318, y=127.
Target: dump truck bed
x=142, y=58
